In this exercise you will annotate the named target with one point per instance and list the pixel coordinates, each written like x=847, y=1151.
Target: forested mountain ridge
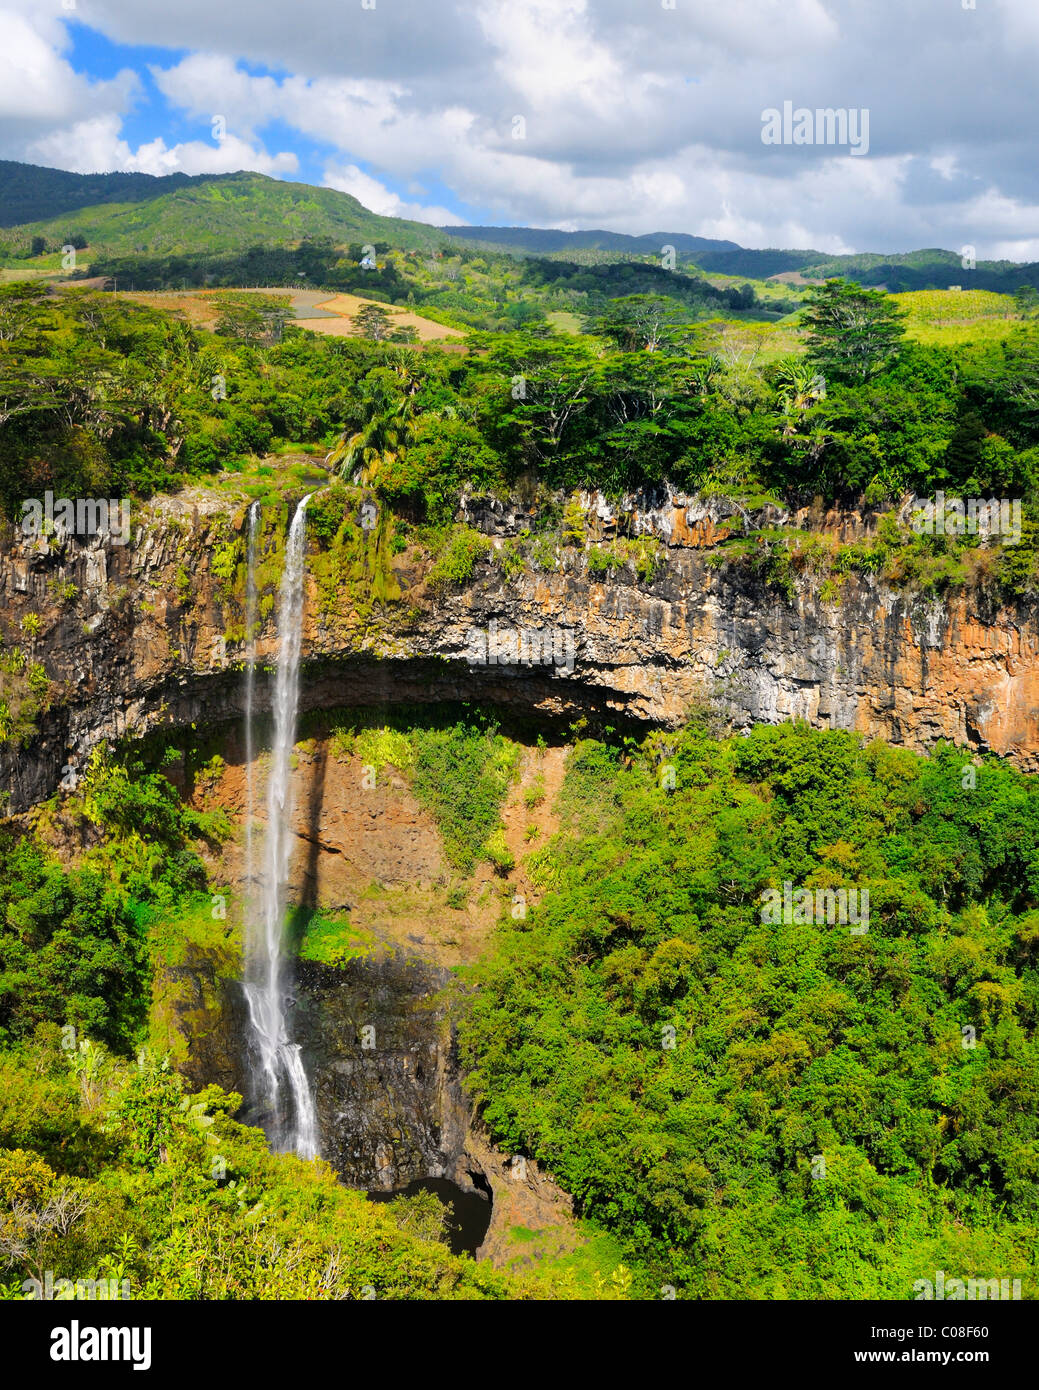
x=896, y=271
x=130, y=215
x=211, y=214
x=33, y=193
x=541, y=241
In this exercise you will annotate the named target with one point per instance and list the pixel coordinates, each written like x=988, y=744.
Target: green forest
x=746, y=1110
x=691, y=1072
x=738, y=1108
x=104, y=396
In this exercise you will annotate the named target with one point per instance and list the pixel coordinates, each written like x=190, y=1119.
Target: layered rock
x=142, y=641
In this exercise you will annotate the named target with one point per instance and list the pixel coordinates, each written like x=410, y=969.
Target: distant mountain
x=31, y=193
x=216, y=213
x=760, y=265
x=926, y=270
x=932, y=269
x=912, y=270
x=540, y=241
x=122, y=216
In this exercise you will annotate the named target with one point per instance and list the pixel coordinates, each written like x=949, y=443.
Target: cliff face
x=377, y=1048
x=148, y=636
x=143, y=640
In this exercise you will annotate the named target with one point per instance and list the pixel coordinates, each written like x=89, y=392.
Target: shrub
x=457, y=562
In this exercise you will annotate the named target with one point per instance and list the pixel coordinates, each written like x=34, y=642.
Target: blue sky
x=636, y=115
x=151, y=115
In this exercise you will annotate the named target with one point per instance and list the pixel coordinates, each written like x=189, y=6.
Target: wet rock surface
x=376, y=1044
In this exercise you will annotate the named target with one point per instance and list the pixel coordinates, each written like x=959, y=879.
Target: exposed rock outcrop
x=141, y=640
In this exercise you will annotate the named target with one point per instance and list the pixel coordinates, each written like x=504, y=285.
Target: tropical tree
x=705, y=374
x=253, y=318
x=372, y=321
x=639, y=322
x=382, y=438
x=852, y=333
x=800, y=387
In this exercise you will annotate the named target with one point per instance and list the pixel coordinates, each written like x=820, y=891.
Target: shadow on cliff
x=307, y=903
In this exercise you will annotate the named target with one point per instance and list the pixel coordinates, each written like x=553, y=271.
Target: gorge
x=262, y=664
x=136, y=652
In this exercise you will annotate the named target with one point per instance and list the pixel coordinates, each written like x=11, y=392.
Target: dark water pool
x=469, y=1213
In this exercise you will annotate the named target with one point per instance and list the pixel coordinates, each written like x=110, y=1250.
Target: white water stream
x=281, y=1089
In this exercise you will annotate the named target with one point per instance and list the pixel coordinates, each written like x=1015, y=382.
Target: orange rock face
x=151, y=638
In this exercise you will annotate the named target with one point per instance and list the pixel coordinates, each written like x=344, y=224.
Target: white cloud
x=207, y=85
x=377, y=198
x=95, y=146
x=90, y=146
x=39, y=90
x=637, y=117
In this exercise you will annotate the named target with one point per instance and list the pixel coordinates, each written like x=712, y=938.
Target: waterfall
x=250, y=688
x=288, y=1109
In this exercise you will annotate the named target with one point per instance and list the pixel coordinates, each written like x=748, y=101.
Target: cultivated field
x=313, y=309
x=341, y=308
x=957, y=316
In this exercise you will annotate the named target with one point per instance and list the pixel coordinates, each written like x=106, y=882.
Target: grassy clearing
x=565, y=322
x=957, y=316
x=593, y=1268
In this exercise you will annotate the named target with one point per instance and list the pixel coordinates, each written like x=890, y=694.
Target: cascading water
x=281, y=1090
x=250, y=688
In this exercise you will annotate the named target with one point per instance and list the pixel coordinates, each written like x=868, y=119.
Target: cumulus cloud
x=576, y=113
x=95, y=144
x=378, y=198
x=39, y=90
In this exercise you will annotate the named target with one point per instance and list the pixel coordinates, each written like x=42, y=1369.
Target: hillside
x=932, y=268
x=546, y=240
x=115, y=217
x=928, y=269
x=217, y=215
x=31, y=193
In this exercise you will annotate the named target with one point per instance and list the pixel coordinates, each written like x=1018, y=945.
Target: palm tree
x=801, y=386
x=382, y=438
x=705, y=374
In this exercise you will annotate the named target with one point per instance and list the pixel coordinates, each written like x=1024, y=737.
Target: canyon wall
x=135, y=638
x=141, y=638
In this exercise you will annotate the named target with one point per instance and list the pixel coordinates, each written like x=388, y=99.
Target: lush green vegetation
x=74, y=939
x=689, y=1072
x=129, y=216
x=926, y=270
x=461, y=286
x=104, y=397
x=913, y=270
x=31, y=193
x=741, y=1108
x=225, y=213
x=460, y=772
x=109, y=1171
x=101, y=397
x=109, y=1168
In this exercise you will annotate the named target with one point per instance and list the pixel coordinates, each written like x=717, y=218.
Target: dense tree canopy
x=691, y=1071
